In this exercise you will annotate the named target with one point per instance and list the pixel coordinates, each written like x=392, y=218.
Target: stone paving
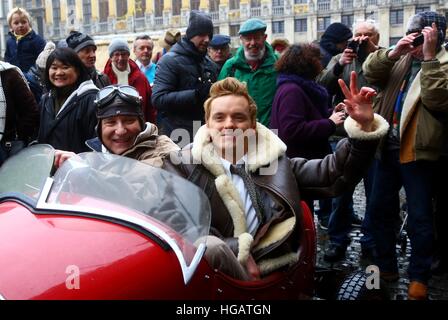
x=438, y=285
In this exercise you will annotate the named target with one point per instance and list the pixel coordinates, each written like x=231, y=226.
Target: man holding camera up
x=342, y=217
x=414, y=100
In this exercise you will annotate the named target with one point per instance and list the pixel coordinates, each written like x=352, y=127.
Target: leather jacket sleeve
x=332, y=175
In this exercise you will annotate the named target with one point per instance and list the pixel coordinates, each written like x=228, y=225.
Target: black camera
x=418, y=40
x=354, y=45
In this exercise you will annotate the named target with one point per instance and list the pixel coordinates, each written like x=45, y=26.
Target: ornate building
x=296, y=20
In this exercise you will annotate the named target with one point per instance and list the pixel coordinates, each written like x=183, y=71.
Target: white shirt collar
x=226, y=164
x=141, y=66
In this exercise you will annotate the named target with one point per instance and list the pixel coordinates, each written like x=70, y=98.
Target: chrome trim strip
x=187, y=271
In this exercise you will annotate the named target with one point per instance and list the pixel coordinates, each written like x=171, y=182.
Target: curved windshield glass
x=27, y=171
x=171, y=207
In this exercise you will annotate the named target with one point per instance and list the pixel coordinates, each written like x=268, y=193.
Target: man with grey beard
x=253, y=63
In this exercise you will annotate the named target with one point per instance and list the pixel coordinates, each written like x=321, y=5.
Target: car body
x=109, y=227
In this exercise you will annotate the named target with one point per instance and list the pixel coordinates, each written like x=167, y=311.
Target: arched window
x=234, y=4
x=86, y=11
x=140, y=8
x=104, y=10
x=194, y=4
x=122, y=8
x=176, y=4
x=158, y=8
x=213, y=5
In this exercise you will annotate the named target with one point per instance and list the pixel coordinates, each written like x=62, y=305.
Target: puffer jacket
x=423, y=122
x=23, y=53
x=282, y=182
x=149, y=147
x=180, y=74
x=75, y=122
x=261, y=83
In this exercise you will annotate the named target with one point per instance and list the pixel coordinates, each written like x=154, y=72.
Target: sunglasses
x=126, y=92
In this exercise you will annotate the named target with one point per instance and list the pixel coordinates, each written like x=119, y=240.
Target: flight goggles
x=125, y=92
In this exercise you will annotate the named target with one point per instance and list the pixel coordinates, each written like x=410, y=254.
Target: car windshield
x=26, y=172
x=119, y=188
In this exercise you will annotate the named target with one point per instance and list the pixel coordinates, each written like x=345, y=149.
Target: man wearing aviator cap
x=414, y=99
x=121, y=129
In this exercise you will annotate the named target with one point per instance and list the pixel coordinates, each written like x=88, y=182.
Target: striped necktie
x=252, y=223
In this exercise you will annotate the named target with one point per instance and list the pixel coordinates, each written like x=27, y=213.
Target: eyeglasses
x=126, y=92
x=253, y=36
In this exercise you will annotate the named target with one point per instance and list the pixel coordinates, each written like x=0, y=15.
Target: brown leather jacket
x=277, y=239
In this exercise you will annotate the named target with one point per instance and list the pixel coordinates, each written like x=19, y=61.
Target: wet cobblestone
x=438, y=285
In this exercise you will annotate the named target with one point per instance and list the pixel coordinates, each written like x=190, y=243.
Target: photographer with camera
x=414, y=100
x=342, y=217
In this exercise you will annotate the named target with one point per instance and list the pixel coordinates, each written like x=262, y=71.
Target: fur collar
x=268, y=149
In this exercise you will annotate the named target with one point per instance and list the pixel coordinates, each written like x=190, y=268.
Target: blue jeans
x=342, y=215
x=383, y=209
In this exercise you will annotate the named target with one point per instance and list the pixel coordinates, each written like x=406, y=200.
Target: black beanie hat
x=337, y=32
x=78, y=41
x=199, y=23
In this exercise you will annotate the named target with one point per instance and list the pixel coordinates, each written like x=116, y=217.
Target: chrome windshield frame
x=187, y=271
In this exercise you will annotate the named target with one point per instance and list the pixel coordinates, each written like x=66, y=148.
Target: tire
x=354, y=288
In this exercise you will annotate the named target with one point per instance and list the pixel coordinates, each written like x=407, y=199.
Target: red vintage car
x=109, y=227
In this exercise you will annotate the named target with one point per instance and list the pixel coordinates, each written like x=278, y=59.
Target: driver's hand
x=60, y=156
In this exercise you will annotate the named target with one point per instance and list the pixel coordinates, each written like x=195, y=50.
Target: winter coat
x=138, y=80
x=180, y=74
x=329, y=77
x=300, y=114
x=22, y=113
x=35, y=82
x=261, y=83
x=281, y=182
x=148, y=147
x=423, y=122
x=100, y=80
x=75, y=122
x=23, y=53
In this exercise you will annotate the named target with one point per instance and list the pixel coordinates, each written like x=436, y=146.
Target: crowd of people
x=260, y=130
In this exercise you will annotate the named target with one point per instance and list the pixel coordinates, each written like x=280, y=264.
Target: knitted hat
x=252, y=25
x=78, y=41
x=199, y=23
x=425, y=19
x=337, y=33
x=41, y=60
x=118, y=44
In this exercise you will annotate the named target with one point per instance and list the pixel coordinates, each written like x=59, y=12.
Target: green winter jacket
x=261, y=83
x=423, y=122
